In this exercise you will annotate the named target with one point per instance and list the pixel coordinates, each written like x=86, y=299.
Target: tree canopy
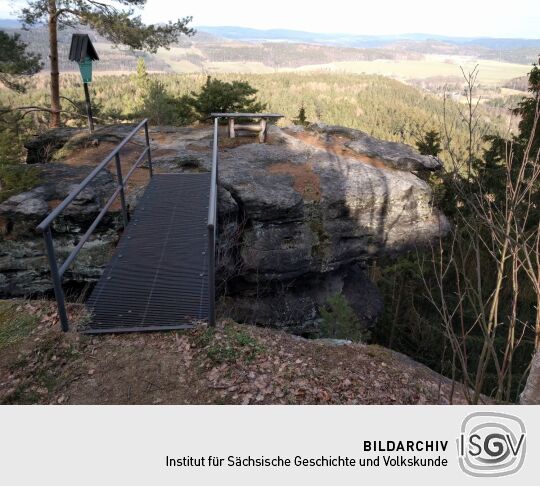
x=430, y=143
x=527, y=110
x=116, y=20
x=524, y=144
x=221, y=96
x=15, y=61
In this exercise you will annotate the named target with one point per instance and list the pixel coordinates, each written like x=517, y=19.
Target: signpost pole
x=82, y=51
x=88, y=108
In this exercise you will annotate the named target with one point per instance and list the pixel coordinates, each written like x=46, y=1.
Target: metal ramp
x=162, y=274
x=158, y=276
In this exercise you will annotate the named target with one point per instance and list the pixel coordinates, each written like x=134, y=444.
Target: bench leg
x=262, y=133
x=231, y=128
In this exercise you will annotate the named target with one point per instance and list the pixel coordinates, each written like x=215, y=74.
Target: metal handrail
x=212, y=228
x=45, y=226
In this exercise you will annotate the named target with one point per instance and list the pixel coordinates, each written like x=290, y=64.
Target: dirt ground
x=232, y=364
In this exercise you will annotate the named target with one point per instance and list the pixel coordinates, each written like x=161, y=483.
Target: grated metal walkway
x=158, y=276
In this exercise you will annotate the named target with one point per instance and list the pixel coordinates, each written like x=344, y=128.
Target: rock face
x=300, y=217
x=23, y=264
x=310, y=209
x=395, y=155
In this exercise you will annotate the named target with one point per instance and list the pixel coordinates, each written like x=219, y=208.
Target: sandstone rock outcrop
x=311, y=212
x=23, y=264
x=300, y=217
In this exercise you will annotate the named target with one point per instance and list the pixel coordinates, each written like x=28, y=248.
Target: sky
x=468, y=18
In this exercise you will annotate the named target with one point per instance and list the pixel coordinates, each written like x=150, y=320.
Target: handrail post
x=211, y=276
x=212, y=228
x=56, y=278
x=125, y=215
x=147, y=137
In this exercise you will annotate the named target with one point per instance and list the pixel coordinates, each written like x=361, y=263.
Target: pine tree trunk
x=55, y=77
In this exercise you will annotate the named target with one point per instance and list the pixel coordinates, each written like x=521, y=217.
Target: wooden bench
x=260, y=127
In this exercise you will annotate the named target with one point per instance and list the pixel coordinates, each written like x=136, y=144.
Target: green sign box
x=86, y=70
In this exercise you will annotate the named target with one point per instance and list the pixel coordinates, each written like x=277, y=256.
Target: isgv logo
x=491, y=444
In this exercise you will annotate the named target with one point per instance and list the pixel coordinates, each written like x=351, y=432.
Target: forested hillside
x=380, y=106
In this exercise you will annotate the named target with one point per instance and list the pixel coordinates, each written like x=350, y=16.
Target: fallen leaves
x=232, y=364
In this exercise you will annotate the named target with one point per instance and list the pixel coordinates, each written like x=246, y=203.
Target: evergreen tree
x=430, y=144
x=527, y=111
x=339, y=321
x=301, y=119
x=142, y=75
x=115, y=20
x=492, y=169
x=220, y=97
x=161, y=108
x=15, y=61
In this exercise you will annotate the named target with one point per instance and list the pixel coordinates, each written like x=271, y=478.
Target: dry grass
x=492, y=73
x=17, y=320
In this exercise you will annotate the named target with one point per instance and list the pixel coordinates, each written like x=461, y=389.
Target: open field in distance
x=492, y=73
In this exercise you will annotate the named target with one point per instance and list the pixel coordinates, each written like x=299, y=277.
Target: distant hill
x=194, y=53
x=238, y=49
x=353, y=40
x=10, y=24
x=516, y=50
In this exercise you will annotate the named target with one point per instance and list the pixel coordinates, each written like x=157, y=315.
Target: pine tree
x=301, y=119
x=15, y=61
x=115, y=20
x=492, y=169
x=219, y=96
x=430, y=144
x=527, y=111
x=142, y=75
